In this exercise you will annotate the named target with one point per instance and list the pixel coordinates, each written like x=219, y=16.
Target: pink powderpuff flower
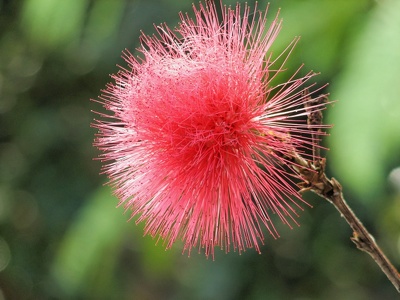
x=197, y=142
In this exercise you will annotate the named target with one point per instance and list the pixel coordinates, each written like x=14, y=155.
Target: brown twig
x=315, y=180
x=314, y=122
x=331, y=190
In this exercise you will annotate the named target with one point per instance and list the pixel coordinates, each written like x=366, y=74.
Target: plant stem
x=331, y=190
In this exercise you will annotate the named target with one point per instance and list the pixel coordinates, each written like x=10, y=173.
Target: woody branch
x=315, y=180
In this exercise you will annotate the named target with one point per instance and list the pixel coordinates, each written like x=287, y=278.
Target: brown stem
x=316, y=180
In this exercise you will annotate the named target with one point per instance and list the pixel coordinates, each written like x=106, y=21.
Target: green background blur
x=61, y=236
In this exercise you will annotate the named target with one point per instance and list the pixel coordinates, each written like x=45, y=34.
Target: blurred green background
x=61, y=236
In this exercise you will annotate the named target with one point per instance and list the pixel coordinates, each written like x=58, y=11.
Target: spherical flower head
x=197, y=143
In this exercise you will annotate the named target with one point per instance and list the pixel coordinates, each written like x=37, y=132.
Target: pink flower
x=197, y=140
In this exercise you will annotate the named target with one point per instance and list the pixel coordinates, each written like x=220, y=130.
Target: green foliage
x=367, y=116
x=53, y=23
x=62, y=236
x=88, y=248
